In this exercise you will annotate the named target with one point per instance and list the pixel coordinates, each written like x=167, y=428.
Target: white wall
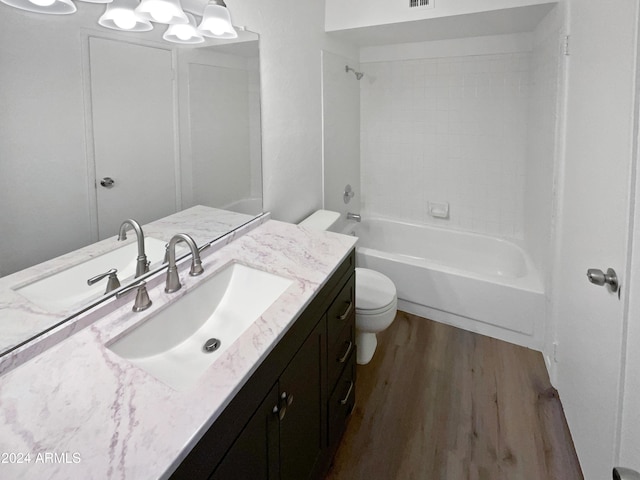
x=341, y=132
x=43, y=167
x=221, y=124
x=291, y=40
x=255, y=128
x=450, y=129
x=542, y=141
x=364, y=13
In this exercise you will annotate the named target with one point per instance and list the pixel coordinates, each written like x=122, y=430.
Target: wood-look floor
x=440, y=403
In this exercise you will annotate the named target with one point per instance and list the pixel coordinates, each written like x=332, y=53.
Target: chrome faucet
x=354, y=216
x=142, y=265
x=173, y=279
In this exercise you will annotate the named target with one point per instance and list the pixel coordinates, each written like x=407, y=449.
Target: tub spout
x=354, y=216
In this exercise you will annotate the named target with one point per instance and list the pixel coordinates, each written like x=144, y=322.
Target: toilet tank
x=321, y=220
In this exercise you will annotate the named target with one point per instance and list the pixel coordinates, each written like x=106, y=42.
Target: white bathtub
x=476, y=282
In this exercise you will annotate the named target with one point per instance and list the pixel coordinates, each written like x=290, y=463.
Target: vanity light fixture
x=121, y=15
x=216, y=21
x=137, y=15
x=162, y=11
x=53, y=7
x=186, y=33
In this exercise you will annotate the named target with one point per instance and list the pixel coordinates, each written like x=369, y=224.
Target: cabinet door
x=301, y=391
x=254, y=454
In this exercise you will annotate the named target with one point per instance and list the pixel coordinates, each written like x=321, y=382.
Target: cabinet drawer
x=340, y=353
x=341, y=312
x=342, y=400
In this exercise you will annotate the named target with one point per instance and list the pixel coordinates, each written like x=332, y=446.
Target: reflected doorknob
x=620, y=473
x=598, y=277
x=107, y=182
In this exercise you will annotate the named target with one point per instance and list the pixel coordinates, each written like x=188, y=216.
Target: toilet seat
x=377, y=311
x=375, y=292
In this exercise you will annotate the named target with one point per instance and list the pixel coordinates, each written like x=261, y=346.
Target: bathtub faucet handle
x=354, y=216
x=348, y=193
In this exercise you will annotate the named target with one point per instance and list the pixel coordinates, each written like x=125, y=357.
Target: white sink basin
x=68, y=289
x=169, y=345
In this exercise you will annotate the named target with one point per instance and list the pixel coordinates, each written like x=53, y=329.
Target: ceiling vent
x=420, y=3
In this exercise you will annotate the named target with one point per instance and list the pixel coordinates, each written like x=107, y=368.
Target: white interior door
x=132, y=101
x=630, y=418
x=594, y=227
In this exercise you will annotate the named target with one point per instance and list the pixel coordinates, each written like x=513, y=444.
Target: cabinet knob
x=285, y=401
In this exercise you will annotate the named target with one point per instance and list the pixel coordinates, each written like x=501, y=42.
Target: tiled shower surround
x=447, y=130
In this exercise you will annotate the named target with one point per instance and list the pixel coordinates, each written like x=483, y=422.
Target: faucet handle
x=142, y=301
x=166, y=253
x=112, y=282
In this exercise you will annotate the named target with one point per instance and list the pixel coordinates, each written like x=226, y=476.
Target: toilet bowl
x=376, y=306
x=376, y=297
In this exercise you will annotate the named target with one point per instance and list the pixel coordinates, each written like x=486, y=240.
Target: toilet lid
x=373, y=290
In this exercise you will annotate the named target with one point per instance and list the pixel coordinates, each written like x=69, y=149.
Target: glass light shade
x=216, y=22
x=121, y=15
x=52, y=7
x=162, y=11
x=186, y=33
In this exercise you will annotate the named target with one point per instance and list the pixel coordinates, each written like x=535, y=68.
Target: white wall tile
x=449, y=129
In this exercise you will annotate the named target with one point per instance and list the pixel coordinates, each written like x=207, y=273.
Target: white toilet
x=376, y=297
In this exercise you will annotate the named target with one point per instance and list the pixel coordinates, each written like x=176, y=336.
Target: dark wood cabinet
x=341, y=361
x=255, y=453
x=301, y=435
x=286, y=421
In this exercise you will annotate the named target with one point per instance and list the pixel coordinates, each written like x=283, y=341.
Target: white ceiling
x=497, y=22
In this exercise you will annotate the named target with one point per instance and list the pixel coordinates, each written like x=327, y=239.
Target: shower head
x=358, y=75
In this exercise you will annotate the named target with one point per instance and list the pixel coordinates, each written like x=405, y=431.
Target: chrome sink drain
x=211, y=345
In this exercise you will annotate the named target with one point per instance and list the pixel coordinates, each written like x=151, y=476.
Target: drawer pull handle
x=346, y=354
x=347, y=311
x=346, y=397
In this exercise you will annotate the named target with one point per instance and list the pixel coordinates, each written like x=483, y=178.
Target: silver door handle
x=598, y=277
x=107, y=182
x=620, y=473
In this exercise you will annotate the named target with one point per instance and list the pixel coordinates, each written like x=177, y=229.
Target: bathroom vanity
x=272, y=405
x=286, y=421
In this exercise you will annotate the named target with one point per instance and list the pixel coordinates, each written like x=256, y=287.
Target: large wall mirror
x=173, y=127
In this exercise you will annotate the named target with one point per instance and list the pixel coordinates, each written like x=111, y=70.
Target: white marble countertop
x=20, y=319
x=80, y=411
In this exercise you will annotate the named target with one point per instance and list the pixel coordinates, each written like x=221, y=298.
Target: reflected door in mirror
x=134, y=133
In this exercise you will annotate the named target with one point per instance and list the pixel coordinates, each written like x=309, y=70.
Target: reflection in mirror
x=97, y=127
